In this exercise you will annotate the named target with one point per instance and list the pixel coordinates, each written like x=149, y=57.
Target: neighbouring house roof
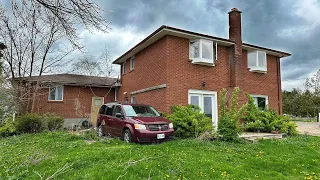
x=167, y=30
x=74, y=80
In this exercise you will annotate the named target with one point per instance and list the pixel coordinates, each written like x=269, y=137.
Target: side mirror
x=119, y=115
x=161, y=114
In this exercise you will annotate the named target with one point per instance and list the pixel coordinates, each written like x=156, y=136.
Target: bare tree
x=71, y=12
x=86, y=67
x=40, y=35
x=100, y=65
x=106, y=63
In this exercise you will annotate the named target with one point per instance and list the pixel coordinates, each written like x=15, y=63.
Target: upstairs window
x=260, y=100
x=56, y=93
x=202, y=51
x=124, y=68
x=257, y=61
x=132, y=63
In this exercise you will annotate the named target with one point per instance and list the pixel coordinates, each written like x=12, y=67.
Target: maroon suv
x=133, y=123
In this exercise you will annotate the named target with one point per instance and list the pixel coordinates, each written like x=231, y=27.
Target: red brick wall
x=149, y=70
x=73, y=97
x=262, y=84
x=183, y=75
x=167, y=62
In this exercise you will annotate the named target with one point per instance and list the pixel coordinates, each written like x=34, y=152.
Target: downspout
x=279, y=84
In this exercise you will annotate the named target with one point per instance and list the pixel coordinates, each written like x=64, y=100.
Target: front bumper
x=151, y=136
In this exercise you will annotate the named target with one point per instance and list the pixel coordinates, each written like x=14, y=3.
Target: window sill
x=55, y=101
x=201, y=61
x=258, y=70
x=123, y=74
x=131, y=70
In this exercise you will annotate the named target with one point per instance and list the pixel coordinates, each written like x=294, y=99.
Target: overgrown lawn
x=66, y=156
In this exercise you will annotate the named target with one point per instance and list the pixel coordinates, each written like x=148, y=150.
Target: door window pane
x=117, y=110
x=194, y=100
x=102, y=109
x=207, y=106
x=97, y=102
x=109, y=110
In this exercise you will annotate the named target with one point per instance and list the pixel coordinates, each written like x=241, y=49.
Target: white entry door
x=207, y=101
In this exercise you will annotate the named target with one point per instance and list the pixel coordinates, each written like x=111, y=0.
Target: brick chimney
x=236, y=51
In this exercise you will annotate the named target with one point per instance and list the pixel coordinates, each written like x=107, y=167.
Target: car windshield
x=140, y=111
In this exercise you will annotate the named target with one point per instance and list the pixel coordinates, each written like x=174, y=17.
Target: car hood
x=151, y=120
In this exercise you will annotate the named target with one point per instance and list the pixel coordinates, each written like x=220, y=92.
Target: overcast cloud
x=286, y=25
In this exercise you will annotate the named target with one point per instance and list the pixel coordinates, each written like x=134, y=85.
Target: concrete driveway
x=310, y=128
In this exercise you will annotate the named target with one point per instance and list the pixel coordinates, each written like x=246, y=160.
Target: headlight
x=140, y=126
x=171, y=126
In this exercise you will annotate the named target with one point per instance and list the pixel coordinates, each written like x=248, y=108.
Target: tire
x=126, y=136
x=100, y=131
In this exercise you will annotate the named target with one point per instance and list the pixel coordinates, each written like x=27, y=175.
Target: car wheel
x=100, y=131
x=126, y=136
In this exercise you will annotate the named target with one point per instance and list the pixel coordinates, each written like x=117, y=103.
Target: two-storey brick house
x=178, y=67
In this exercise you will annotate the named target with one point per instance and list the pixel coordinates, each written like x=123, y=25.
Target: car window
x=109, y=110
x=102, y=109
x=117, y=110
x=140, y=110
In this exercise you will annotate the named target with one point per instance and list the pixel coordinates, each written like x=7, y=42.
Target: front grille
x=158, y=127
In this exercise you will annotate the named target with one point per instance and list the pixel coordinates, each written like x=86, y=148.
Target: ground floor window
x=133, y=99
x=260, y=100
x=207, y=101
x=56, y=93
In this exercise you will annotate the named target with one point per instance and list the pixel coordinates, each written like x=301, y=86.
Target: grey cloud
x=264, y=23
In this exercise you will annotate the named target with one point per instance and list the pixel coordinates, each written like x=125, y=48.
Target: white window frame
x=56, y=93
x=133, y=98
x=123, y=71
x=261, y=96
x=132, y=63
x=202, y=93
x=204, y=61
x=257, y=68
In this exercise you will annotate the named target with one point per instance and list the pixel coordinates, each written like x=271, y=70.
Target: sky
x=288, y=25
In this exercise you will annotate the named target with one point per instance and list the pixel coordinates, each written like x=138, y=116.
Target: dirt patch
x=309, y=128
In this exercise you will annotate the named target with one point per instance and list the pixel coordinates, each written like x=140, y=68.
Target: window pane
x=143, y=111
x=207, y=106
x=109, y=110
x=207, y=49
x=194, y=100
x=117, y=110
x=59, y=93
x=133, y=99
x=97, y=102
x=194, y=49
x=261, y=59
x=261, y=102
x=132, y=63
x=129, y=110
x=102, y=110
x=123, y=68
x=52, y=95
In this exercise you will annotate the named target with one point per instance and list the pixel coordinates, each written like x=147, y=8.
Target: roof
x=75, y=80
x=167, y=30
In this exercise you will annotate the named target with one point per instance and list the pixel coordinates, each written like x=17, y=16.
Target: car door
x=117, y=123
x=108, y=119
